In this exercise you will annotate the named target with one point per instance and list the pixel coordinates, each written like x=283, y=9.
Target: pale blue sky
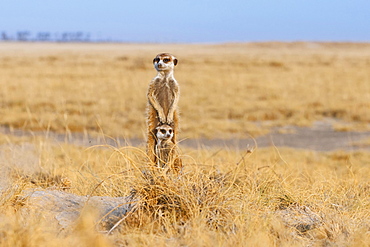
x=193, y=21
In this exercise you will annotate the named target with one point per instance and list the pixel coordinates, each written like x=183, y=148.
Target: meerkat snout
x=164, y=132
x=164, y=61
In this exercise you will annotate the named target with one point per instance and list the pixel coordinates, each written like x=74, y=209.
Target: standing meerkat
x=163, y=96
x=165, y=150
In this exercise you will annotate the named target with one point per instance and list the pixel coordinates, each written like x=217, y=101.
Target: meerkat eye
x=163, y=131
x=166, y=60
x=170, y=131
x=156, y=60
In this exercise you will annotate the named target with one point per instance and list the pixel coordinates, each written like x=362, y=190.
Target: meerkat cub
x=165, y=149
x=163, y=96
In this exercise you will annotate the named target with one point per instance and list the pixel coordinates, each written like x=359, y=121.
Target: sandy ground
x=320, y=137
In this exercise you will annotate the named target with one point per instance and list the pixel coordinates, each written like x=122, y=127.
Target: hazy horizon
x=191, y=21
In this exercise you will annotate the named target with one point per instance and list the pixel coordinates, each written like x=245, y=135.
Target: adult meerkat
x=163, y=96
x=165, y=149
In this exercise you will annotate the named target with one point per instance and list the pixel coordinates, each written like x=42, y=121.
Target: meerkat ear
x=175, y=61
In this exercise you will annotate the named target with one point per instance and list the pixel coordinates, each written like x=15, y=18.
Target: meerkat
x=163, y=96
x=165, y=149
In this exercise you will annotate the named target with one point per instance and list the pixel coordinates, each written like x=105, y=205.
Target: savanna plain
x=247, y=196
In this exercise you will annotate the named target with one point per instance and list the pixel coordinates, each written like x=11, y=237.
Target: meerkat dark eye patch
x=166, y=60
x=170, y=131
x=163, y=131
x=156, y=60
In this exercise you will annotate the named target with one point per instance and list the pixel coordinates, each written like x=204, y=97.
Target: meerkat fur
x=163, y=96
x=165, y=150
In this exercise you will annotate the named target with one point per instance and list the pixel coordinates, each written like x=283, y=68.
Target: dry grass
x=223, y=197
x=228, y=90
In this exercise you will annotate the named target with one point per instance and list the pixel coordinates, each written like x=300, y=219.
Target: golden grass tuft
x=168, y=201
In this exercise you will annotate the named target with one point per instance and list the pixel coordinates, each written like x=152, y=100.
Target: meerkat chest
x=165, y=93
x=165, y=146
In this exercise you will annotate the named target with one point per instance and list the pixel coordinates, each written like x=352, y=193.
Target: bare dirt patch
x=320, y=137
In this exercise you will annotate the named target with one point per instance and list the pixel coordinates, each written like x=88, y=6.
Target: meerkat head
x=164, y=62
x=164, y=132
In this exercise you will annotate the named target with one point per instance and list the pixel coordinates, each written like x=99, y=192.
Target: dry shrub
x=167, y=202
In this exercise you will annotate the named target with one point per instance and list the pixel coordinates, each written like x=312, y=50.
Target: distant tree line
x=26, y=36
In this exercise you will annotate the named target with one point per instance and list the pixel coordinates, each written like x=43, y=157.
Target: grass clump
x=169, y=201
